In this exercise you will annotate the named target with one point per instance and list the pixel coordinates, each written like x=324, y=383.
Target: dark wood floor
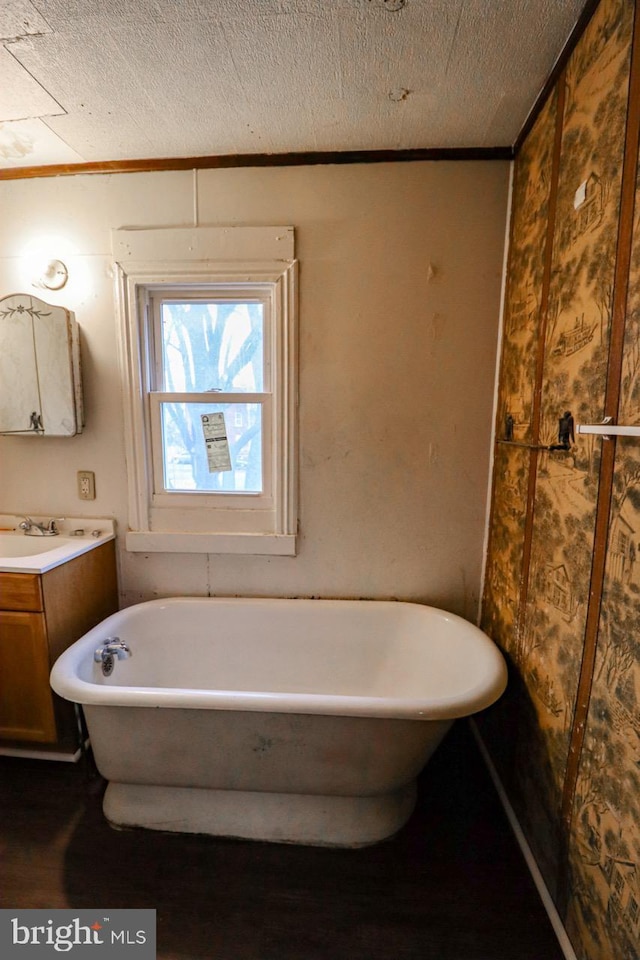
x=450, y=886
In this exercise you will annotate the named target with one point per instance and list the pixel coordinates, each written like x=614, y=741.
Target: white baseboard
x=534, y=870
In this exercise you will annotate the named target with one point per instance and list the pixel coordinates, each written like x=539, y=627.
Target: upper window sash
x=251, y=295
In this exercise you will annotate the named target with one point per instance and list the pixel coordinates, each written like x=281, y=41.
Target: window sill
x=256, y=544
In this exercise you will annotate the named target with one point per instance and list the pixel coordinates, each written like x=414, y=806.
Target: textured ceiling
x=97, y=80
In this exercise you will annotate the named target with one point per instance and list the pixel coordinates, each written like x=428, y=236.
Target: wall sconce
x=53, y=264
x=51, y=275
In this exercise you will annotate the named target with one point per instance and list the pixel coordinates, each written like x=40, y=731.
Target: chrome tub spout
x=114, y=648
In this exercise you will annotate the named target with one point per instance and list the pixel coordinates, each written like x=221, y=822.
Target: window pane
x=212, y=346
x=184, y=451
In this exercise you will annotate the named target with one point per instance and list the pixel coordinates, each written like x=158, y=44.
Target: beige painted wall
x=399, y=302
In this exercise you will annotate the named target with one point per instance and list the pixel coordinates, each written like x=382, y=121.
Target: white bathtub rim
x=66, y=682
x=446, y=708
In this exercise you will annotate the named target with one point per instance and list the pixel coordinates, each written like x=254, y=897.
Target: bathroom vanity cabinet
x=40, y=616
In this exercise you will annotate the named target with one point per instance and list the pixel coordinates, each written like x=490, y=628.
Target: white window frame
x=199, y=522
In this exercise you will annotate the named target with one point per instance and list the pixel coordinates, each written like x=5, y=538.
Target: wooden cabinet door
x=20, y=591
x=26, y=703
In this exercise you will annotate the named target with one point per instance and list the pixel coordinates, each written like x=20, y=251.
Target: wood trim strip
x=496, y=423
x=536, y=407
x=154, y=165
x=612, y=399
x=582, y=23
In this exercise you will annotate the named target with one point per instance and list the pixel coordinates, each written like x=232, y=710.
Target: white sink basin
x=20, y=553
x=19, y=545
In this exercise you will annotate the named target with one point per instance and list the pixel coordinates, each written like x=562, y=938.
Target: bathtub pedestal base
x=276, y=817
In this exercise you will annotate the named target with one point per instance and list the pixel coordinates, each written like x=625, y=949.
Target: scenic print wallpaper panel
x=573, y=387
x=605, y=837
x=593, y=873
x=532, y=185
x=530, y=204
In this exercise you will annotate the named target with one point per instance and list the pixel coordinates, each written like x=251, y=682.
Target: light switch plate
x=86, y=485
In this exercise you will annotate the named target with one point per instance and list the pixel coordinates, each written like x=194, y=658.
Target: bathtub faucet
x=113, y=647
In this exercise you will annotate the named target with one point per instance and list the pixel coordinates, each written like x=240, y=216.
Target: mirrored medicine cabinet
x=40, y=383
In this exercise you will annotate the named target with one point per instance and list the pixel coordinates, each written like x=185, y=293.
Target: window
x=623, y=542
x=210, y=397
x=208, y=361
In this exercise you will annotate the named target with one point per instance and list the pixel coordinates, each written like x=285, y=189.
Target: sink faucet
x=46, y=528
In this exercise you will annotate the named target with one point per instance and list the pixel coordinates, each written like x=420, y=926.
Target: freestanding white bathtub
x=301, y=721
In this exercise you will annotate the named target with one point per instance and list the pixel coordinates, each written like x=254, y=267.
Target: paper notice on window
x=215, y=438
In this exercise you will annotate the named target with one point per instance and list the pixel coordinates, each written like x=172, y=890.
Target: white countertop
x=20, y=553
